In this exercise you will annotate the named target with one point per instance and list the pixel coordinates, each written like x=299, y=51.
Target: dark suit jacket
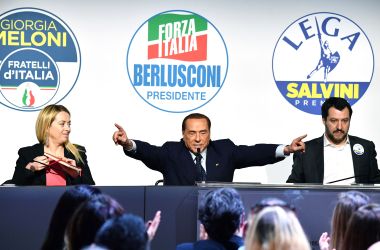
x=233, y=244
x=308, y=167
x=176, y=164
x=23, y=176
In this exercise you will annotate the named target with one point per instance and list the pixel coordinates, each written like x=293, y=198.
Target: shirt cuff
x=280, y=151
x=134, y=147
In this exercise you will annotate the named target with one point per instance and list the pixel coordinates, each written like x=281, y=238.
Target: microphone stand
x=331, y=182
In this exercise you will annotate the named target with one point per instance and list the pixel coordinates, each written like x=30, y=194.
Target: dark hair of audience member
x=271, y=202
x=221, y=212
x=348, y=202
x=363, y=228
x=67, y=204
x=276, y=228
x=126, y=232
x=88, y=218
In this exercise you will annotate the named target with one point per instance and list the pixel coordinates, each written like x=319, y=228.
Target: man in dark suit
x=336, y=157
x=218, y=159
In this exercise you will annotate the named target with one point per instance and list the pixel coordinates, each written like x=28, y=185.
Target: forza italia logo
x=319, y=56
x=39, y=59
x=177, y=61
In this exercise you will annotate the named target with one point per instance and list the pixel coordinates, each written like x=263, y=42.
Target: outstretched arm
x=297, y=145
x=120, y=137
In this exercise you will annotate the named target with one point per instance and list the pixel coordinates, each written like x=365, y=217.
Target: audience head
x=94, y=247
x=375, y=246
x=66, y=206
x=88, y=218
x=348, y=203
x=126, y=232
x=266, y=202
x=221, y=212
x=363, y=228
x=275, y=228
x=271, y=202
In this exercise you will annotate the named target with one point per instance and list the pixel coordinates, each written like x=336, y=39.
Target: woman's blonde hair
x=274, y=228
x=45, y=119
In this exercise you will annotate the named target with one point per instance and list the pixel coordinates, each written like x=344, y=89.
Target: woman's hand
x=39, y=163
x=324, y=241
x=69, y=161
x=152, y=225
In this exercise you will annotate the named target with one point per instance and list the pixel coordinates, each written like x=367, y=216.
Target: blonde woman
x=273, y=228
x=54, y=161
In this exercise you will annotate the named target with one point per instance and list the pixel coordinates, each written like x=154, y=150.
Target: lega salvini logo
x=39, y=59
x=177, y=61
x=319, y=56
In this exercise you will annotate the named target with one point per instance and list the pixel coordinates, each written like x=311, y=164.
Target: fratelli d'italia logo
x=177, y=61
x=39, y=59
x=322, y=55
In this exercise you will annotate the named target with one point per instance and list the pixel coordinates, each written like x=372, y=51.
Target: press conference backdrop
x=248, y=65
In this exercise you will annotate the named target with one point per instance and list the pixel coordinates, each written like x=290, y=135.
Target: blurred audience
x=84, y=218
x=348, y=203
x=67, y=204
x=87, y=220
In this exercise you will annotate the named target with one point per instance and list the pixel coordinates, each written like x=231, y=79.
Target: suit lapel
x=356, y=160
x=319, y=157
x=40, y=149
x=215, y=165
x=210, y=159
x=188, y=163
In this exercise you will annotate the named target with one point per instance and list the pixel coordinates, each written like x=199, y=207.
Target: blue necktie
x=201, y=174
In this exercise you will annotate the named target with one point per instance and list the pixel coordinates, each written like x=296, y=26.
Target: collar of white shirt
x=327, y=143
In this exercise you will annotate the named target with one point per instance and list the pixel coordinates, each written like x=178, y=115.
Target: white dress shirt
x=337, y=163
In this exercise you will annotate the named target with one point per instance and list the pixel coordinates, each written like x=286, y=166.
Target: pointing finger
x=300, y=138
x=120, y=128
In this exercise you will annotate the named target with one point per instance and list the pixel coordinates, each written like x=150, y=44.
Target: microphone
x=198, y=151
x=201, y=174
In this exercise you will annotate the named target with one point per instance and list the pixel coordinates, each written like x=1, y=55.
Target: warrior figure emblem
x=328, y=60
